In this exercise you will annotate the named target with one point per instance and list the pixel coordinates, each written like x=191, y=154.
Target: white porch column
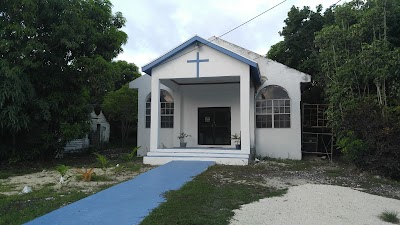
x=155, y=113
x=177, y=118
x=245, y=112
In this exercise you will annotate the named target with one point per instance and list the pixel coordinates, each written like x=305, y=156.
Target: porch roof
x=254, y=70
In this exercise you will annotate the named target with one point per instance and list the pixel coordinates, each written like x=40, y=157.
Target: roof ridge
x=237, y=46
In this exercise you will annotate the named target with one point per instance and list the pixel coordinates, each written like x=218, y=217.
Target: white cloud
x=157, y=26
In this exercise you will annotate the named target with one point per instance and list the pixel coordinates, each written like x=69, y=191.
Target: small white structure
x=212, y=90
x=99, y=130
x=100, y=124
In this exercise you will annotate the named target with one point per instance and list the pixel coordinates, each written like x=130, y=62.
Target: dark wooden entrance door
x=214, y=126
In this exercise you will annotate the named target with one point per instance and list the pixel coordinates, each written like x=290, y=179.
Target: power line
x=336, y=3
x=208, y=42
x=254, y=17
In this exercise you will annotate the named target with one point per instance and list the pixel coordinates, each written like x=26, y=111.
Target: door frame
x=198, y=125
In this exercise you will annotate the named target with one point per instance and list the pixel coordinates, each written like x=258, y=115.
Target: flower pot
x=183, y=144
x=237, y=146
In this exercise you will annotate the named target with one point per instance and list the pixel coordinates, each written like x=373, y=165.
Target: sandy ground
x=52, y=178
x=313, y=204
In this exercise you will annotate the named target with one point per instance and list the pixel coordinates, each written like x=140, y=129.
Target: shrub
x=103, y=162
x=389, y=216
x=130, y=156
x=352, y=147
x=63, y=169
x=86, y=174
x=370, y=138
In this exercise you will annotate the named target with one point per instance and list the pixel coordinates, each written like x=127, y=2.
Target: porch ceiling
x=207, y=80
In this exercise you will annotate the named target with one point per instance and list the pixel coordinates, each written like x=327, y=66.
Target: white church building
x=211, y=90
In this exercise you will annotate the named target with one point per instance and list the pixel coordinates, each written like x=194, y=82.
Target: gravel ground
x=279, y=176
x=310, y=204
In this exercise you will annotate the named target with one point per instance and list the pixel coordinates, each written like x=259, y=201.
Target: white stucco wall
x=282, y=142
x=276, y=142
x=219, y=65
x=143, y=134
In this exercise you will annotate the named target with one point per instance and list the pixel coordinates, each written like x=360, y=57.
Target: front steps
x=225, y=157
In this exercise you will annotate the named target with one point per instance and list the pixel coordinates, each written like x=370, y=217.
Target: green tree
x=357, y=58
x=353, y=53
x=49, y=52
x=125, y=73
x=103, y=76
x=360, y=60
x=298, y=50
x=121, y=106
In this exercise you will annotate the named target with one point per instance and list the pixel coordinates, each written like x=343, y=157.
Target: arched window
x=167, y=110
x=273, y=108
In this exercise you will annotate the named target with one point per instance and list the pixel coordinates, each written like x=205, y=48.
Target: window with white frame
x=166, y=110
x=273, y=108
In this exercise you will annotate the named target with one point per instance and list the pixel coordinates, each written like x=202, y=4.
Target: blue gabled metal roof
x=254, y=71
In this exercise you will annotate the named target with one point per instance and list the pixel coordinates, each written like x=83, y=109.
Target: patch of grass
x=49, y=185
x=6, y=188
x=294, y=165
x=127, y=166
x=10, y=172
x=389, y=216
x=101, y=178
x=298, y=165
x=334, y=172
x=375, y=180
x=18, y=209
x=207, y=200
x=131, y=166
x=128, y=157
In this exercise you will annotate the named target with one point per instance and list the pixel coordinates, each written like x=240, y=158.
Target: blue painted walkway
x=128, y=202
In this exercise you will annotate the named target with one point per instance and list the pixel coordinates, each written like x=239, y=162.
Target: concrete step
x=161, y=160
x=197, y=154
x=201, y=150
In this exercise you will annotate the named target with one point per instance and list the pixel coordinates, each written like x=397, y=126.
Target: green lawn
x=18, y=209
x=208, y=199
x=21, y=208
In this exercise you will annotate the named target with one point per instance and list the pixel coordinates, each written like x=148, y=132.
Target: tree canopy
x=121, y=106
x=55, y=59
x=353, y=53
x=297, y=50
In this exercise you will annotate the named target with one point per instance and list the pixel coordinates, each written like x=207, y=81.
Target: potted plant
x=182, y=137
x=236, y=138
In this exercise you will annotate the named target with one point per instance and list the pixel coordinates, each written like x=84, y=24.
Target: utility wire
x=208, y=42
x=336, y=3
x=253, y=18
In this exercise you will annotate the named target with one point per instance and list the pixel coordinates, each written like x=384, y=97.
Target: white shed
x=99, y=134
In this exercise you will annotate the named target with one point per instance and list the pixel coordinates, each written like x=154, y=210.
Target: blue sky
x=156, y=26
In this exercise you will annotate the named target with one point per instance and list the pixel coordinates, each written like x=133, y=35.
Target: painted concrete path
x=128, y=202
